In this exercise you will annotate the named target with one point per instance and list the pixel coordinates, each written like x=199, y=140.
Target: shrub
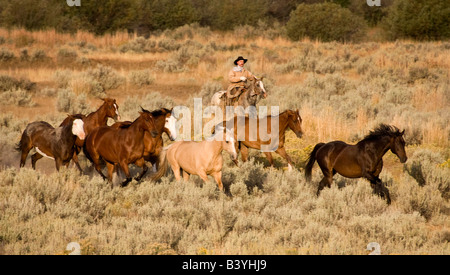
x=107, y=77
x=326, y=22
x=18, y=97
x=68, y=102
x=421, y=20
x=10, y=83
x=65, y=53
x=6, y=55
x=141, y=78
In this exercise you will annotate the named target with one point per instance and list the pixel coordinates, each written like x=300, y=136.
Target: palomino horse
x=109, y=109
x=198, y=158
x=55, y=143
x=164, y=123
x=123, y=146
x=288, y=119
x=365, y=159
x=250, y=95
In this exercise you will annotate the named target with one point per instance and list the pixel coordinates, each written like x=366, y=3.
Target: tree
x=419, y=19
x=326, y=22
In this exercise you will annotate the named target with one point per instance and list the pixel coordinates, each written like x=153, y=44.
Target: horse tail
x=163, y=165
x=311, y=160
x=23, y=143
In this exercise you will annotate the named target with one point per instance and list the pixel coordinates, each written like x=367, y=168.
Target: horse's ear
x=403, y=132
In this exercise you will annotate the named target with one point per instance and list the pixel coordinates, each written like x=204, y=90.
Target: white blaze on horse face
x=78, y=128
x=171, y=126
x=229, y=138
x=117, y=111
x=261, y=85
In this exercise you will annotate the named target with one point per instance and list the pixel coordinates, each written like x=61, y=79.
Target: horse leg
x=377, y=185
x=23, y=156
x=176, y=171
x=34, y=158
x=244, y=152
x=218, y=177
x=185, y=176
x=141, y=163
x=58, y=163
x=269, y=158
x=282, y=152
x=110, y=167
x=203, y=176
x=75, y=159
x=126, y=171
x=98, y=168
x=327, y=176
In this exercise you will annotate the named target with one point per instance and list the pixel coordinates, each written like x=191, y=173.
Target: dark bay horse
x=120, y=146
x=109, y=109
x=364, y=159
x=55, y=143
x=164, y=123
x=289, y=119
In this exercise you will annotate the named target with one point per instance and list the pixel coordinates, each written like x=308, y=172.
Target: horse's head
x=77, y=126
x=259, y=87
x=148, y=122
x=255, y=86
x=228, y=140
x=111, y=108
x=295, y=122
x=170, y=125
x=398, y=146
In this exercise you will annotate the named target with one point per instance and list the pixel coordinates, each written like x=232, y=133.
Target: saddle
x=235, y=91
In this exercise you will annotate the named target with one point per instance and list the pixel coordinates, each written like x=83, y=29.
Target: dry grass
x=342, y=91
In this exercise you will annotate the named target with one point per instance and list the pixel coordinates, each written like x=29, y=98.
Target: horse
x=120, y=146
x=109, y=109
x=250, y=95
x=198, y=158
x=54, y=143
x=164, y=123
x=364, y=159
x=289, y=119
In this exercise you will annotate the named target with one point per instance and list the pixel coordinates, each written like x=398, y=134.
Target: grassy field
x=342, y=90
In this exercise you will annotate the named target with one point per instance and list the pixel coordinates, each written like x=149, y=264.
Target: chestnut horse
x=55, y=143
x=109, y=109
x=164, y=123
x=198, y=158
x=365, y=159
x=122, y=145
x=288, y=119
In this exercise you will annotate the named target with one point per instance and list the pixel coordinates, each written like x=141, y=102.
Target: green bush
x=420, y=20
x=325, y=22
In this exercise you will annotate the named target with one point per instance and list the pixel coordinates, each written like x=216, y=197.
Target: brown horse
x=288, y=119
x=123, y=146
x=198, y=158
x=55, y=143
x=365, y=159
x=109, y=109
x=164, y=123
x=249, y=95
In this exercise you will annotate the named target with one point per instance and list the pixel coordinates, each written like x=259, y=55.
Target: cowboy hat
x=240, y=58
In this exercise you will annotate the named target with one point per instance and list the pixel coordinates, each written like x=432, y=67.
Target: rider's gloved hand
x=243, y=78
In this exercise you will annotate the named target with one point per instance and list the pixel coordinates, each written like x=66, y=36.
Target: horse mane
x=383, y=130
x=157, y=113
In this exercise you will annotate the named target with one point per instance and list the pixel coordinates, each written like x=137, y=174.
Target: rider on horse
x=237, y=77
